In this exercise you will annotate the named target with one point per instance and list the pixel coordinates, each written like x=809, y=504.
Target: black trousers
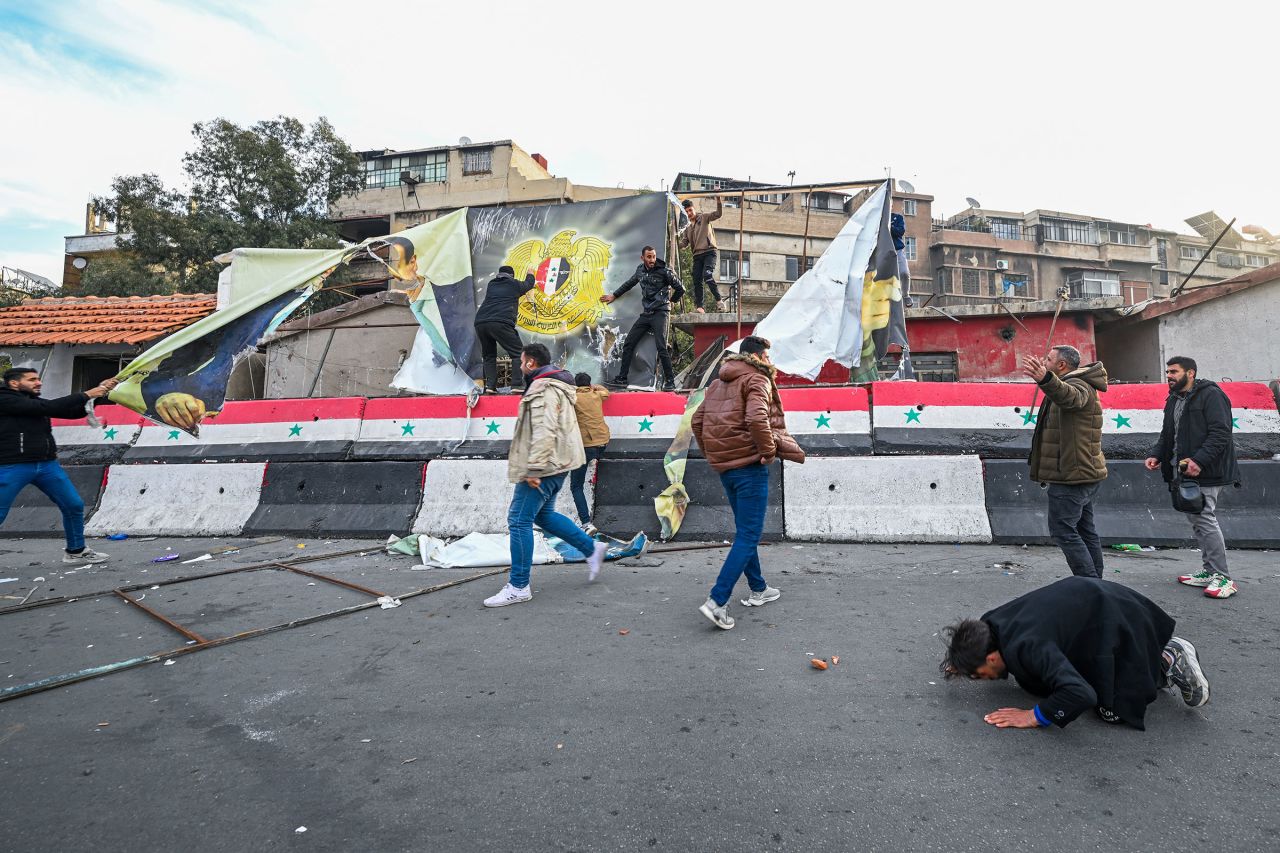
x=490, y=336
x=704, y=275
x=646, y=323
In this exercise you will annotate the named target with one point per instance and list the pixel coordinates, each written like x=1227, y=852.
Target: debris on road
x=818, y=663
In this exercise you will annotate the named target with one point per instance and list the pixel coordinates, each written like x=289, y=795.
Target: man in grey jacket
x=545, y=447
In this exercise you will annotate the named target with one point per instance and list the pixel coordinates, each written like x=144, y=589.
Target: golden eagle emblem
x=570, y=282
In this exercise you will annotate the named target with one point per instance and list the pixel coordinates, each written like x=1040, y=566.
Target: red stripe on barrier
x=644, y=404
x=401, y=408
x=825, y=399
x=281, y=411
x=1249, y=395
x=108, y=415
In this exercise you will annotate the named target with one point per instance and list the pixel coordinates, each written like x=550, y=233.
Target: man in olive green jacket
x=1066, y=451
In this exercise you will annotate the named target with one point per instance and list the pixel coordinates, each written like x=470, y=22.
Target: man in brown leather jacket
x=741, y=429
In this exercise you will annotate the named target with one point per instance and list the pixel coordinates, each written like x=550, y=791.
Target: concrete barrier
x=1133, y=506
x=314, y=430
x=461, y=496
x=995, y=420
x=351, y=499
x=33, y=514
x=904, y=499
x=178, y=500
x=829, y=421
x=81, y=444
x=626, y=488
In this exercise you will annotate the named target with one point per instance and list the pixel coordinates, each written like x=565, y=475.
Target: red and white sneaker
x=1221, y=586
x=1200, y=578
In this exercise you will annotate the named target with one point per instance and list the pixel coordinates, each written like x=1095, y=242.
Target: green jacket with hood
x=1067, y=445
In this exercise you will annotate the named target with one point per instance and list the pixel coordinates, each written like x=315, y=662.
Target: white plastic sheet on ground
x=819, y=318
x=482, y=550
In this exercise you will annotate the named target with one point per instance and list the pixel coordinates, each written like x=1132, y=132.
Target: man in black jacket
x=1196, y=441
x=1079, y=643
x=28, y=454
x=656, y=280
x=496, y=324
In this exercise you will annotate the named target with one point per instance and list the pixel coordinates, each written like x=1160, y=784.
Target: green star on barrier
x=492, y=426
x=646, y=425
x=109, y=433
x=1235, y=423
x=823, y=421
x=913, y=416
x=1121, y=421
x=295, y=430
x=173, y=435
x=1028, y=417
x=407, y=429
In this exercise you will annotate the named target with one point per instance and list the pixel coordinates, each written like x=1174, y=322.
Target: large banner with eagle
x=576, y=253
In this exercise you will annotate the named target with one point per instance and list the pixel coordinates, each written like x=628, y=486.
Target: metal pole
x=320, y=367
x=804, y=258
x=1177, y=290
x=742, y=212
x=1062, y=300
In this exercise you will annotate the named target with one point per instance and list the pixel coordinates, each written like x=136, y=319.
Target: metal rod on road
x=332, y=580
x=159, y=617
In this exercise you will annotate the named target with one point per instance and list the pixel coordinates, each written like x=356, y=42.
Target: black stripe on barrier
x=355, y=499
x=1133, y=506
x=625, y=489
x=334, y=450
x=33, y=514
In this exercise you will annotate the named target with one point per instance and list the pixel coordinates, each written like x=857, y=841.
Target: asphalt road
x=441, y=726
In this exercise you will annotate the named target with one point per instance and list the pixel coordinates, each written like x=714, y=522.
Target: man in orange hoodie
x=741, y=430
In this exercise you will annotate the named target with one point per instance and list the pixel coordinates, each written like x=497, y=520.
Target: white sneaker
x=589, y=529
x=717, y=613
x=761, y=598
x=596, y=560
x=509, y=595
x=86, y=557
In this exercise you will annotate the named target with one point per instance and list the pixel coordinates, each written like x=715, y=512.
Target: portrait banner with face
x=576, y=253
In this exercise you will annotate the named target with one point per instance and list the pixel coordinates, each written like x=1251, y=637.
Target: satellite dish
x=906, y=186
x=466, y=140
x=973, y=202
x=80, y=263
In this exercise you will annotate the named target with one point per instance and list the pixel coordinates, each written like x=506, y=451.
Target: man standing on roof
x=28, y=454
x=700, y=237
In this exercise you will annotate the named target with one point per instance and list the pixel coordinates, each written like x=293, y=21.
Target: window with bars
x=1125, y=235
x=1011, y=284
x=1086, y=283
x=970, y=282
x=729, y=266
x=942, y=281
x=1229, y=259
x=428, y=168
x=1069, y=231
x=477, y=161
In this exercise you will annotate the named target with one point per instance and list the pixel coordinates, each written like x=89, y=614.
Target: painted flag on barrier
x=848, y=307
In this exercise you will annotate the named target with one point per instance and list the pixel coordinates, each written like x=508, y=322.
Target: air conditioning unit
x=1002, y=265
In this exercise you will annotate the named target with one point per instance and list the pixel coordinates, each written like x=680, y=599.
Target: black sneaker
x=1186, y=673
x=668, y=386
x=618, y=382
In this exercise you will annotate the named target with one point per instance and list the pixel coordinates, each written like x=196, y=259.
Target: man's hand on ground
x=1152, y=463
x=1013, y=718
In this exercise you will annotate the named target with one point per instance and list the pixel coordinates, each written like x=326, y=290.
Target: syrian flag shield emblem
x=552, y=274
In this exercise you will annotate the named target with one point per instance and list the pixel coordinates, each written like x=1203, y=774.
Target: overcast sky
x=1141, y=112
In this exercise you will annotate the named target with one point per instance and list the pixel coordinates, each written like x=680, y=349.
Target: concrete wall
x=1233, y=336
x=58, y=369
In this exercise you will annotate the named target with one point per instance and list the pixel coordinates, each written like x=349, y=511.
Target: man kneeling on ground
x=1080, y=643
x=545, y=447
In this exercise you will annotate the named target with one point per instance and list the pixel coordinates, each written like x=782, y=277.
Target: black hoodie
x=26, y=435
x=1204, y=435
x=502, y=299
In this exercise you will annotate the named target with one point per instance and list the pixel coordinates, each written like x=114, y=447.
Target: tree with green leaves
x=269, y=185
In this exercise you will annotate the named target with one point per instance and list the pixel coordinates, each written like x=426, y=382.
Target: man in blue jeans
x=741, y=428
x=29, y=456
x=545, y=447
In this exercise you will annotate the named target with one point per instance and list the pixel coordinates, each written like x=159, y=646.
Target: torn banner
x=183, y=379
x=848, y=307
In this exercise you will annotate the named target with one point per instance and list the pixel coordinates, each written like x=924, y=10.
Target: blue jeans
x=49, y=478
x=530, y=506
x=578, y=482
x=748, y=492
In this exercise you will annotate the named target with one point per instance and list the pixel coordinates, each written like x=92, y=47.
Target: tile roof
x=101, y=320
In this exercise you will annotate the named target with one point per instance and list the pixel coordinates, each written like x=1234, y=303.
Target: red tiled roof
x=101, y=320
